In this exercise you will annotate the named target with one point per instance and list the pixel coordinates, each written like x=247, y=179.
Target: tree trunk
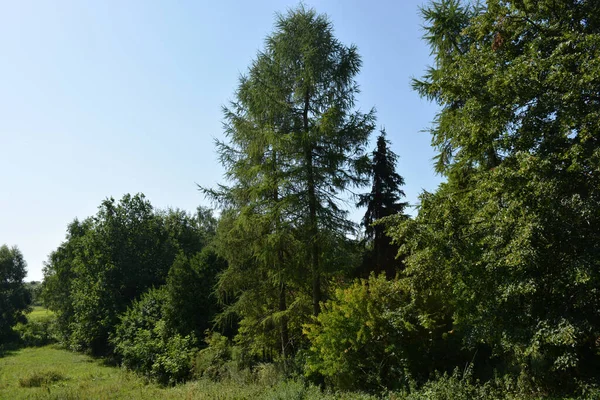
x=282, y=287
x=312, y=213
x=285, y=336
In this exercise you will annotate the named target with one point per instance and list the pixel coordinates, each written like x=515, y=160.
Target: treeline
x=15, y=298
x=498, y=271
x=135, y=283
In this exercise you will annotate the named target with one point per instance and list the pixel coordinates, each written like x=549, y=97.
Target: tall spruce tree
x=295, y=144
x=382, y=201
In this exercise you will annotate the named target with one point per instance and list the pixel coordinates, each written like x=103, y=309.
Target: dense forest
x=491, y=290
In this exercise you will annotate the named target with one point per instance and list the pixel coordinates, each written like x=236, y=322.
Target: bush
x=461, y=386
x=223, y=361
x=365, y=337
x=211, y=361
x=145, y=344
x=37, y=332
x=14, y=297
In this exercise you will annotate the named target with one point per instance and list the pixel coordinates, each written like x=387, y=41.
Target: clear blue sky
x=103, y=98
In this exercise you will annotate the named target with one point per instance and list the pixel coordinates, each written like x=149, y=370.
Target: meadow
x=51, y=372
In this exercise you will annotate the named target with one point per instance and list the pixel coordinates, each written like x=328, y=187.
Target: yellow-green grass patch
x=53, y=373
x=39, y=313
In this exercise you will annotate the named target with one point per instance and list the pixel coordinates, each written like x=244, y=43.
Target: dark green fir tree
x=384, y=200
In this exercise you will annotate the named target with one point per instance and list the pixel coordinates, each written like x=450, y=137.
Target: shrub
x=211, y=361
x=38, y=332
x=365, y=337
x=145, y=344
x=223, y=361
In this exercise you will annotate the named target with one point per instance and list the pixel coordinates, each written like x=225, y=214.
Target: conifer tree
x=294, y=145
x=382, y=201
x=507, y=248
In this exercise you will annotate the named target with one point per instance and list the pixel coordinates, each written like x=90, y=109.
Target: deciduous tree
x=14, y=296
x=510, y=243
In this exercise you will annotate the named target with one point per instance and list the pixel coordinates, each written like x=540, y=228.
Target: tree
x=35, y=290
x=59, y=276
x=294, y=145
x=126, y=252
x=327, y=137
x=509, y=245
x=14, y=296
x=190, y=307
x=111, y=259
x=383, y=201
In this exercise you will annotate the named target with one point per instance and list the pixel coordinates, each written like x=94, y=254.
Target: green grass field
x=53, y=373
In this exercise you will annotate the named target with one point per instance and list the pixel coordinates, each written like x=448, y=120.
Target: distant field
x=53, y=373
x=39, y=313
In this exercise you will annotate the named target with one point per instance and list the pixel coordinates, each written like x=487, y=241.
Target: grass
x=50, y=372
x=39, y=313
x=41, y=378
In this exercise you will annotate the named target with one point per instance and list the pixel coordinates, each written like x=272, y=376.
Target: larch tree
x=328, y=137
x=295, y=144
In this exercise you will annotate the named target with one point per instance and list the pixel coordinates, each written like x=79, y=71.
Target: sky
x=103, y=98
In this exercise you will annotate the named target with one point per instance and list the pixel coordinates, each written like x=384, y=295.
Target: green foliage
x=224, y=361
x=145, y=344
x=14, y=296
x=112, y=258
x=125, y=252
x=381, y=202
x=190, y=306
x=508, y=247
x=502, y=262
x=211, y=362
x=505, y=261
x=294, y=145
x=35, y=292
x=366, y=337
x=59, y=276
x=37, y=331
